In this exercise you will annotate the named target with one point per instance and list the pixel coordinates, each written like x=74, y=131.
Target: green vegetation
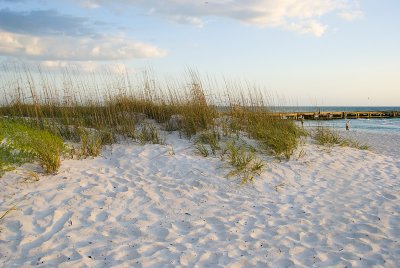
x=150, y=134
x=10, y=159
x=24, y=143
x=278, y=137
x=281, y=137
x=210, y=137
x=101, y=108
x=244, y=161
x=328, y=137
x=91, y=143
x=202, y=149
x=241, y=156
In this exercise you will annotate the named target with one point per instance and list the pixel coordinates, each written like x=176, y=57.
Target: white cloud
x=297, y=15
x=89, y=4
x=62, y=48
x=56, y=65
x=88, y=67
x=351, y=15
x=312, y=26
x=95, y=67
x=188, y=20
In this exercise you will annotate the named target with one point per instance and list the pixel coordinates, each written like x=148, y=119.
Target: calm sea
x=384, y=125
x=336, y=108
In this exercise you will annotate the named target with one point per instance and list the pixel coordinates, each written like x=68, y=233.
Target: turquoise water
x=373, y=125
x=336, y=108
x=385, y=125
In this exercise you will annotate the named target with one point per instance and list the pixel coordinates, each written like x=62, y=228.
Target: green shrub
x=202, y=149
x=10, y=159
x=211, y=138
x=32, y=143
x=244, y=161
x=91, y=143
x=328, y=137
x=278, y=136
x=150, y=134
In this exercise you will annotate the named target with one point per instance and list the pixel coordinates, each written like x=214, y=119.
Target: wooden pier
x=338, y=115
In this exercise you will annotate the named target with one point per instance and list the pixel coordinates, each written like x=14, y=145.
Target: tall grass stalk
x=96, y=108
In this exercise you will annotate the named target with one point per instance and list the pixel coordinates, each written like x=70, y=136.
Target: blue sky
x=310, y=52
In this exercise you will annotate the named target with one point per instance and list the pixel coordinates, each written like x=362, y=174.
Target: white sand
x=145, y=206
x=384, y=143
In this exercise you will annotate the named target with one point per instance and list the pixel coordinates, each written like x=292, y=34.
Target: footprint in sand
x=357, y=246
x=16, y=236
x=309, y=238
x=102, y=216
x=389, y=196
x=122, y=189
x=28, y=211
x=366, y=227
x=283, y=262
x=122, y=181
x=58, y=222
x=43, y=219
x=160, y=233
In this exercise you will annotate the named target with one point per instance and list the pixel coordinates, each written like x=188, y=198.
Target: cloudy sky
x=309, y=52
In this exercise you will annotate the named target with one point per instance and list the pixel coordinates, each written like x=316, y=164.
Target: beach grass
x=329, y=138
x=98, y=111
x=210, y=137
x=244, y=161
x=28, y=143
x=9, y=159
x=150, y=134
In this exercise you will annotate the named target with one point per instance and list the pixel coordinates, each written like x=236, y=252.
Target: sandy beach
x=177, y=133
x=166, y=206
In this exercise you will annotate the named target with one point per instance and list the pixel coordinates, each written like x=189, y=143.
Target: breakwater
x=338, y=115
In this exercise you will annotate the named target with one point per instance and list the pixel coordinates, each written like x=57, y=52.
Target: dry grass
x=8, y=211
x=98, y=109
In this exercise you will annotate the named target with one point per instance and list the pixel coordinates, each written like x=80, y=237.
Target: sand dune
x=165, y=206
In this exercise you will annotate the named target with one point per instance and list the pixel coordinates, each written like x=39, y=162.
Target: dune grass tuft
x=210, y=137
x=328, y=137
x=149, y=134
x=91, y=143
x=10, y=159
x=244, y=161
x=32, y=143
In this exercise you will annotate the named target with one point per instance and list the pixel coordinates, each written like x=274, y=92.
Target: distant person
x=302, y=120
x=347, y=125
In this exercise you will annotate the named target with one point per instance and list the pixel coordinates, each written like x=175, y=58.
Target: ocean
x=335, y=108
x=373, y=125
x=384, y=125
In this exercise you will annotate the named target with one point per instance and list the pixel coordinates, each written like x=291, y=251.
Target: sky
x=306, y=52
